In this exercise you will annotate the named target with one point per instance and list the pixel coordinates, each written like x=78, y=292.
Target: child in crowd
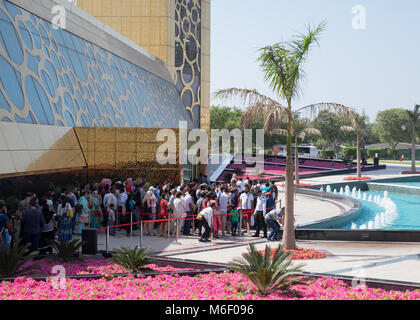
x=234, y=220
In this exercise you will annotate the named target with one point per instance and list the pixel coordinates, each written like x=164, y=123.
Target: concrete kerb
x=348, y=216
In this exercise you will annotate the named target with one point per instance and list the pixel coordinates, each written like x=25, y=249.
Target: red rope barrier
x=241, y=211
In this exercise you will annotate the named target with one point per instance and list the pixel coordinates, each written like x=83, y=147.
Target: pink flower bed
x=89, y=266
x=225, y=286
x=302, y=254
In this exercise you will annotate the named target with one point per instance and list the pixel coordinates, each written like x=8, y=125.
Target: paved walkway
x=392, y=171
x=386, y=261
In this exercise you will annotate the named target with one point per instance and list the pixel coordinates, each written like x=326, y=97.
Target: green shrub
x=13, y=259
x=327, y=154
x=67, y=250
x=393, y=154
x=267, y=273
x=132, y=259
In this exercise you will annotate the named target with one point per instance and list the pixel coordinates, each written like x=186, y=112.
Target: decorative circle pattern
x=50, y=76
x=187, y=55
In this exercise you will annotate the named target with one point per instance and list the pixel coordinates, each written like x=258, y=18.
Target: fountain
x=328, y=189
x=335, y=190
x=385, y=218
x=347, y=191
x=341, y=191
x=359, y=195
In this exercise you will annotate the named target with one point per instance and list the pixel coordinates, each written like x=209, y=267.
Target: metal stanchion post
x=177, y=231
x=240, y=223
x=107, y=239
x=169, y=226
x=131, y=224
x=141, y=234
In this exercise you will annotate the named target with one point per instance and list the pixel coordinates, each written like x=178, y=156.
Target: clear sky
x=371, y=69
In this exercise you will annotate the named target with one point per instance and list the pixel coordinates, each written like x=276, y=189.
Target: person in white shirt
x=205, y=219
x=224, y=202
x=109, y=199
x=259, y=213
x=189, y=210
x=246, y=200
x=180, y=211
x=122, y=199
x=241, y=185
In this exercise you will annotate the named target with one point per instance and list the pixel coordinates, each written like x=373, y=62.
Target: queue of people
x=200, y=208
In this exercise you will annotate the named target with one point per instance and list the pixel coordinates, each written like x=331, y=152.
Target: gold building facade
x=175, y=31
x=84, y=99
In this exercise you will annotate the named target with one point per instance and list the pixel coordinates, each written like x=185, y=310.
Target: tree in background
x=413, y=126
x=301, y=130
x=329, y=124
x=388, y=127
x=282, y=64
x=358, y=123
x=225, y=118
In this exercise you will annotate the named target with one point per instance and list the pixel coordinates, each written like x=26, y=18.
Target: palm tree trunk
x=289, y=241
x=413, y=152
x=296, y=161
x=359, y=171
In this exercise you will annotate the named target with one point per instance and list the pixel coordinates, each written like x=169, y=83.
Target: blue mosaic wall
x=50, y=76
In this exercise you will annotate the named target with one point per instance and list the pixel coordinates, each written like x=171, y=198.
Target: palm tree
x=356, y=120
x=269, y=273
x=413, y=124
x=282, y=64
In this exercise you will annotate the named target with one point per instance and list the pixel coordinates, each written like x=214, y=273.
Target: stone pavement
x=384, y=261
x=391, y=171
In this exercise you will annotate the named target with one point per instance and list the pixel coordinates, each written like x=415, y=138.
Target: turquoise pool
x=415, y=184
x=408, y=212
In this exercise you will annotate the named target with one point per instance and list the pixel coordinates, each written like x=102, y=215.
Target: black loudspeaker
x=90, y=241
x=376, y=161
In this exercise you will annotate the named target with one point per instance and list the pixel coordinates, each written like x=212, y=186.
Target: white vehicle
x=303, y=151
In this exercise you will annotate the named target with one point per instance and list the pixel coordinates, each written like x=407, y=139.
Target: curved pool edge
x=336, y=221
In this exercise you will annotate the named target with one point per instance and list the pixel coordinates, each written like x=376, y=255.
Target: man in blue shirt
x=5, y=225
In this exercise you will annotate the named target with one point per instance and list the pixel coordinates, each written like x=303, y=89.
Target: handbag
x=84, y=218
x=69, y=211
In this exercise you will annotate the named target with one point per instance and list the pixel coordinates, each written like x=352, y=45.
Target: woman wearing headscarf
x=97, y=217
x=65, y=226
x=47, y=232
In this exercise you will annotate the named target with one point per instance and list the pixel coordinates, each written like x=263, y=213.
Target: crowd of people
x=198, y=208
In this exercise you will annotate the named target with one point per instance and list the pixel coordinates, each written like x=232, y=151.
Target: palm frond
x=314, y=109
x=274, y=114
x=347, y=129
x=309, y=131
x=246, y=97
